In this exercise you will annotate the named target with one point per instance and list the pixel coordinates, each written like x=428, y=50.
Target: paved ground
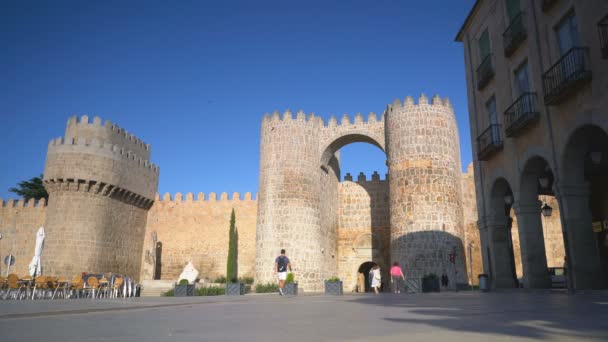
x=514, y=316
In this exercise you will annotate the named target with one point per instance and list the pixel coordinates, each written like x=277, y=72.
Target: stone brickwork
x=469, y=205
x=100, y=190
x=197, y=230
x=364, y=233
x=425, y=188
x=19, y=223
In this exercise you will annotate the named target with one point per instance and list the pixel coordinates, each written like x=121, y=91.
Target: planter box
x=184, y=290
x=235, y=289
x=430, y=285
x=333, y=288
x=290, y=289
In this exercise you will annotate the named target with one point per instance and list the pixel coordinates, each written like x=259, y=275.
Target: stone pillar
x=532, y=244
x=582, y=243
x=500, y=262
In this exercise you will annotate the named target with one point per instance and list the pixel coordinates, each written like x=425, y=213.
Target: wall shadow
x=425, y=252
x=526, y=314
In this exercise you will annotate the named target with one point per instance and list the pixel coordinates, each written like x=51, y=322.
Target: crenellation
x=224, y=196
x=287, y=116
x=332, y=122
x=300, y=116
x=423, y=100
x=359, y=119
x=345, y=120
x=236, y=196
x=372, y=118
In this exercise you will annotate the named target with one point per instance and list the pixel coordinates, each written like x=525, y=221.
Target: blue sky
x=194, y=79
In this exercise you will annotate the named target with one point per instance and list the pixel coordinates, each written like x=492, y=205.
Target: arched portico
x=498, y=254
x=584, y=194
x=536, y=179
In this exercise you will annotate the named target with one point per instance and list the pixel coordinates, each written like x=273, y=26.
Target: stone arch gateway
x=298, y=205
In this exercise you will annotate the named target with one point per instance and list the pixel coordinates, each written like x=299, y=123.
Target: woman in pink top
x=397, y=277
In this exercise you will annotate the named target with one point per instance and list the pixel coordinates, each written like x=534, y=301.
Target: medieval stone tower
x=101, y=185
x=298, y=205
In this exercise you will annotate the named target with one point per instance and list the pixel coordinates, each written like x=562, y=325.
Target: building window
x=515, y=34
x=567, y=34
x=490, y=141
x=569, y=73
x=485, y=71
x=522, y=83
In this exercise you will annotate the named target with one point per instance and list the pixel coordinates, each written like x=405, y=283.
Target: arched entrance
x=583, y=189
x=500, y=253
x=363, y=276
x=539, y=224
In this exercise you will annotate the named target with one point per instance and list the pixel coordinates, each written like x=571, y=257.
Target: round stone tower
x=289, y=214
x=425, y=188
x=101, y=185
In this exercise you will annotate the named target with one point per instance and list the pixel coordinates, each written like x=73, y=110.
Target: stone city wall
x=364, y=233
x=196, y=230
x=19, y=223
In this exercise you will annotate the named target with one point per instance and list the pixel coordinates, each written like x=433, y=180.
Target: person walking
x=281, y=264
x=377, y=279
x=397, y=277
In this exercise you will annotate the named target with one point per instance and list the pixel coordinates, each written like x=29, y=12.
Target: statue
x=190, y=273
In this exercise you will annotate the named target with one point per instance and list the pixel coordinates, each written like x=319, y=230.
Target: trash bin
x=483, y=282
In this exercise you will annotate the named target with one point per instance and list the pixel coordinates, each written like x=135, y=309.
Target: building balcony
x=548, y=4
x=489, y=142
x=521, y=114
x=602, y=27
x=485, y=72
x=514, y=35
x=566, y=77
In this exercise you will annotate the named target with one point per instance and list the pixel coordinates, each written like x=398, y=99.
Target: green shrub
x=246, y=280
x=211, y=291
x=290, y=278
x=266, y=288
x=170, y=293
x=334, y=280
x=183, y=282
x=220, y=280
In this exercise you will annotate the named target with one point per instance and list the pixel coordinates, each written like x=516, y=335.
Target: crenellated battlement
x=102, y=148
x=106, y=132
x=202, y=198
x=31, y=204
x=311, y=118
x=436, y=102
x=362, y=178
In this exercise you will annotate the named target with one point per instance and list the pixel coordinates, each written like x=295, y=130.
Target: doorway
x=363, y=276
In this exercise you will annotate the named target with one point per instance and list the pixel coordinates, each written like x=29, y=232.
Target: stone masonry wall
x=364, y=233
x=19, y=223
x=100, y=183
x=425, y=188
x=196, y=230
x=471, y=236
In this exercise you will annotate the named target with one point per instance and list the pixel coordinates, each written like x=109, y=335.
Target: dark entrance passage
x=158, y=261
x=363, y=276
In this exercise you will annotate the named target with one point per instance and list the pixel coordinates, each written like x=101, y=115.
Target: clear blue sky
x=193, y=79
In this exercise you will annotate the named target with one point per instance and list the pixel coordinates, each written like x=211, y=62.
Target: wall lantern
x=546, y=210
x=508, y=199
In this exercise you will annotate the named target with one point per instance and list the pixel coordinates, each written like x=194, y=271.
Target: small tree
x=31, y=189
x=231, y=266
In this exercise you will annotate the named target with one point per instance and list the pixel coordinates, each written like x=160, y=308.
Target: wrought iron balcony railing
x=548, y=4
x=489, y=142
x=515, y=34
x=602, y=27
x=485, y=72
x=521, y=114
x=567, y=75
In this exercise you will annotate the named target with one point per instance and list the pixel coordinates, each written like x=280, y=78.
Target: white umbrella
x=35, y=267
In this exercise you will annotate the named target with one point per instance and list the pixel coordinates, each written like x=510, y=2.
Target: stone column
x=500, y=257
x=582, y=244
x=532, y=244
